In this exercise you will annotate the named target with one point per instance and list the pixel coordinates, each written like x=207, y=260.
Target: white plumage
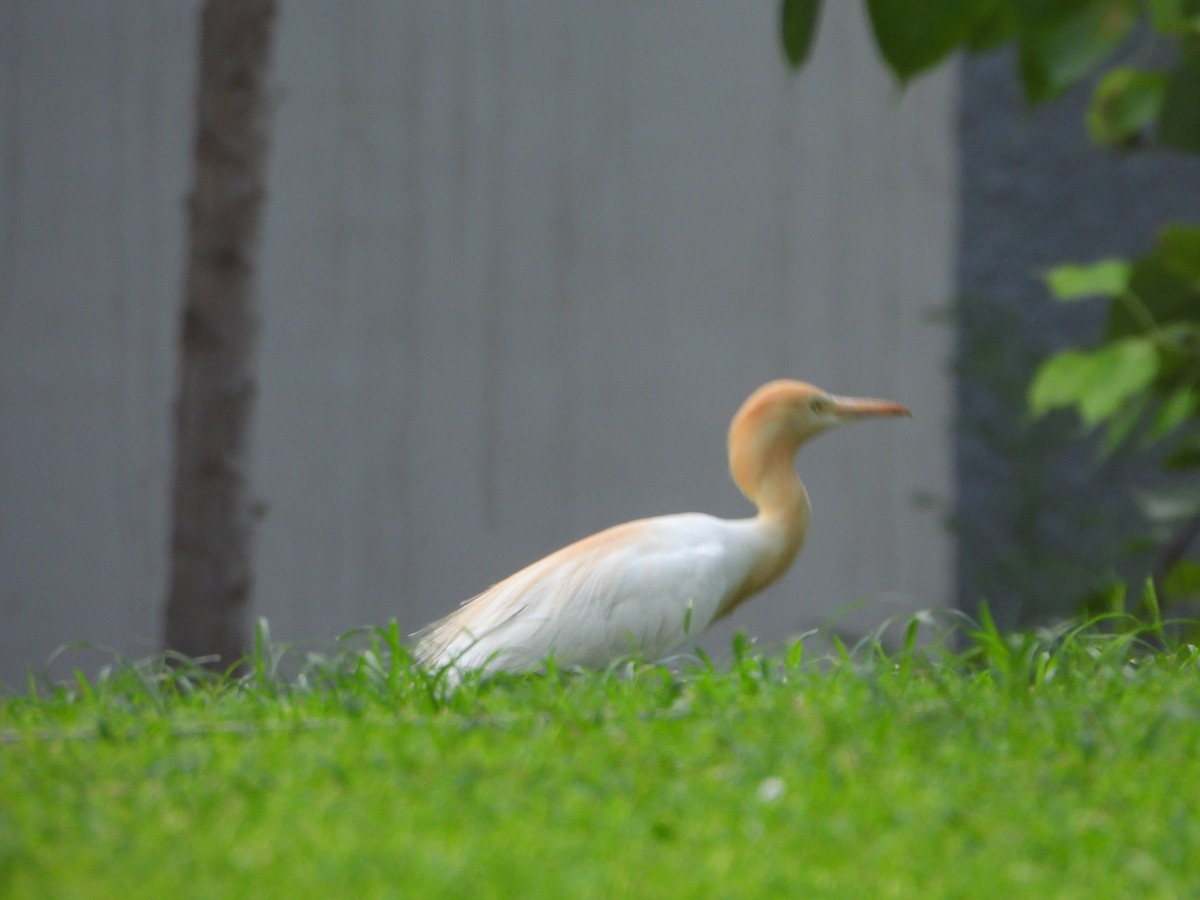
x=641, y=587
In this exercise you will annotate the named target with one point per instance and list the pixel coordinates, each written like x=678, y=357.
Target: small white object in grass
x=771, y=789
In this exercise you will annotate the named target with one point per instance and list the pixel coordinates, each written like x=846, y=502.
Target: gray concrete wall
x=522, y=262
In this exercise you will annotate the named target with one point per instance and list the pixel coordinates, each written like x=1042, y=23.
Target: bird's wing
x=641, y=587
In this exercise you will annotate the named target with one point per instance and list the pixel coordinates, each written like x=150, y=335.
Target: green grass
x=1062, y=764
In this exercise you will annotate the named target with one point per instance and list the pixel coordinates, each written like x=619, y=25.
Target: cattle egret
x=645, y=587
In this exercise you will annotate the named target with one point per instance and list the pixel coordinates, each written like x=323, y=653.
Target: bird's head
x=780, y=416
x=792, y=412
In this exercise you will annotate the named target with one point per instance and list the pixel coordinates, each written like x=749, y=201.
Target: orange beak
x=866, y=407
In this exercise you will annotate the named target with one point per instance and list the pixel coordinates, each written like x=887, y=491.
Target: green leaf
x=1119, y=370
x=1095, y=383
x=913, y=35
x=1062, y=41
x=797, y=28
x=795, y=655
x=1185, y=456
x=1169, y=294
x=1125, y=103
x=1106, y=277
x=1152, y=606
x=1173, y=412
x=1179, y=119
x=1183, y=580
x=1060, y=381
x=996, y=25
x=1158, y=295
x=1179, y=248
x=1175, y=16
x=1189, y=46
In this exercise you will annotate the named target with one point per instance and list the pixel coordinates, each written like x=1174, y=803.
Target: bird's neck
x=767, y=476
x=778, y=491
x=765, y=471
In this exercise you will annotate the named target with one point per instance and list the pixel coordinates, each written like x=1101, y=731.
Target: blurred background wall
x=523, y=260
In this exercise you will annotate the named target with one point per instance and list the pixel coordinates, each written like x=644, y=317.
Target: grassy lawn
x=1064, y=765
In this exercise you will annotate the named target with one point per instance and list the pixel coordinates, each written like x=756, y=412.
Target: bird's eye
x=817, y=405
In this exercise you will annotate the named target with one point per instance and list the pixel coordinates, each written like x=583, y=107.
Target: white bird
x=647, y=586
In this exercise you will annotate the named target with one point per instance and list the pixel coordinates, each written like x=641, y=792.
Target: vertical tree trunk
x=213, y=510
